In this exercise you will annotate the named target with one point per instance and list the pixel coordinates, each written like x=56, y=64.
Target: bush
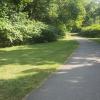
x=91, y=31
x=5, y=32
x=62, y=28
x=20, y=29
x=48, y=34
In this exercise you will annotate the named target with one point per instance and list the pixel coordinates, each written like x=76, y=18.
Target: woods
x=31, y=21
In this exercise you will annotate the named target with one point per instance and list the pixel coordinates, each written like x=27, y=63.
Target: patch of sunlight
x=13, y=76
x=14, y=71
x=60, y=72
x=49, y=66
x=16, y=48
x=3, y=59
x=67, y=37
x=73, y=81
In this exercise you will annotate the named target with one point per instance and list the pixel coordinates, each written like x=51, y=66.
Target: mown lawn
x=23, y=68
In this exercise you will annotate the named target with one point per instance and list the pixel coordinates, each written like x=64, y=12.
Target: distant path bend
x=79, y=79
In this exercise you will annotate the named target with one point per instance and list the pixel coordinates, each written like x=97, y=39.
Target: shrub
x=91, y=31
x=48, y=34
x=20, y=29
x=6, y=30
x=9, y=32
x=62, y=28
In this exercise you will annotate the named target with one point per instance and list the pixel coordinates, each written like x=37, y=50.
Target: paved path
x=79, y=79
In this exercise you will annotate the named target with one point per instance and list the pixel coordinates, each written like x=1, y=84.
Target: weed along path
x=78, y=79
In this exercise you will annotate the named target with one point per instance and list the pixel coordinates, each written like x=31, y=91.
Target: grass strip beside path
x=23, y=68
x=96, y=39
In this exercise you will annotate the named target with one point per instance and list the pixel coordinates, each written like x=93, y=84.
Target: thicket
x=91, y=31
x=19, y=26
x=22, y=30
x=32, y=21
x=91, y=23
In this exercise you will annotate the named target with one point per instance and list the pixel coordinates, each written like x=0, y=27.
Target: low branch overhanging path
x=78, y=79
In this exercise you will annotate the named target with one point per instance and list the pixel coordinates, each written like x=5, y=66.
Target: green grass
x=96, y=39
x=23, y=68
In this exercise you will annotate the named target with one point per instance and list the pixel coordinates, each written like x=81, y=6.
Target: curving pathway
x=79, y=79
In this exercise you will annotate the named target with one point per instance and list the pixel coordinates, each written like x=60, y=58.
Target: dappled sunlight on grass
x=23, y=68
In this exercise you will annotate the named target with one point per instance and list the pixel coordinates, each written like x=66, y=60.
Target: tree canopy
x=19, y=19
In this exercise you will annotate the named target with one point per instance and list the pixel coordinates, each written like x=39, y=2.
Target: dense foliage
x=91, y=31
x=22, y=30
x=30, y=21
x=91, y=22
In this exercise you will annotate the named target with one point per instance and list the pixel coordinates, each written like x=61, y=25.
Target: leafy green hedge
x=20, y=30
x=91, y=31
x=48, y=34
